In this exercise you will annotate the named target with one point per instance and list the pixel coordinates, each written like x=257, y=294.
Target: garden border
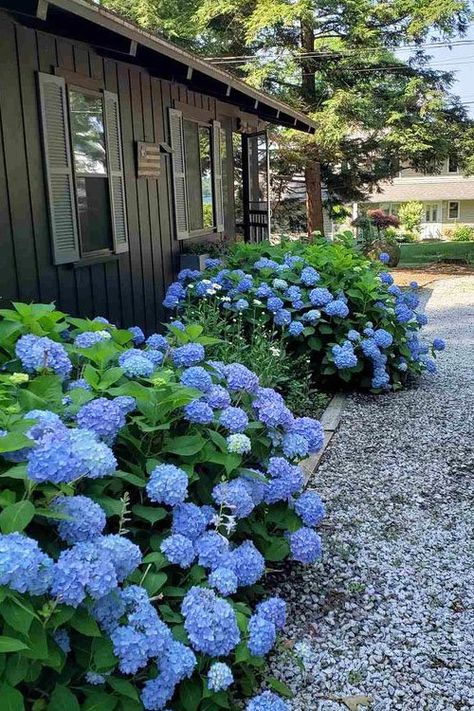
x=330, y=420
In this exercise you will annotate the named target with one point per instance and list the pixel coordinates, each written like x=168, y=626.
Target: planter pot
x=193, y=261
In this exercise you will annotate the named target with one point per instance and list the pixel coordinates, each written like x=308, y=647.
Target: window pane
x=93, y=204
x=87, y=131
x=453, y=210
x=193, y=175
x=206, y=176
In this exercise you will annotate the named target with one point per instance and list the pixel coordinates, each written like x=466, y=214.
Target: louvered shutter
x=179, y=174
x=115, y=169
x=217, y=175
x=59, y=169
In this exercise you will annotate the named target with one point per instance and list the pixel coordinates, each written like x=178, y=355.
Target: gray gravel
x=389, y=613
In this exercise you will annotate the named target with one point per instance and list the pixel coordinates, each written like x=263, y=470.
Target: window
x=431, y=212
x=86, y=112
x=84, y=169
x=197, y=147
x=453, y=165
x=197, y=175
x=453, y=210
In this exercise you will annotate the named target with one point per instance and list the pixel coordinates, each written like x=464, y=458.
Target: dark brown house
x=116, y=148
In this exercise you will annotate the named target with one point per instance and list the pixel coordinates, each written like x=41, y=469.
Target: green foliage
x=411, y=216
x=34, y=670
x=460, y=233
x=429, y=252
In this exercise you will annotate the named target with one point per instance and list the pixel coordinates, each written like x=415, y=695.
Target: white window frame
x=453, y=202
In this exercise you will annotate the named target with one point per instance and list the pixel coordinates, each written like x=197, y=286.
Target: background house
x=117, y=148
x=447, y=197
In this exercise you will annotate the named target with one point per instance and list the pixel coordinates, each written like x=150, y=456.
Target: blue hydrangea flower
x=62, y=639
x=320, y=296
x=383, y=338
x=188, y=520
x=234, y=419
x=23, y=566
x=102, y=416
x=235, y=496
x=344, y=356
x=429, y=364
x=309, y=276
x=386, y=278
x=189, y=274
x=70, y=455
x=293, y=293
x=124, y=555
x=138, y=337
x=238, y=444
x=439, y=344
x=310, y=508
x=196, y=377
x=158, y=691
x=40, y=353
x=291, y=260
x=247, y=563
x=282, y=317
x=337, y=308
x=274, y=304
x=265, y=263
x=255, y=485
x=311, y=429
x=422, y=319
x=129, y=353
x=271, y=408
x=210, y=622
x=295, y=328
x=274, y=610
x=212, y=549
x=305, y=545
x=219, y=677
x=241, y=305
x=86, y=518
x=179, y=550
x=157, y=342
x=187, y=355
x=101, y=319
x=126, y=403
x=179, y=325
x=154, y=355
x=264, y=291
x=138, y=367
x=90, y=338
x=198, y=411
x=262, y=635
x=167, y=485
x=218, y=397
x=370, y=349
x=295, y=446
x=268, y=701
x=85, y=569
x=380, y=379
x=79, y=383
x=384, y=257
x=403, y=313
x=224, y=581
x=394, y=290
x=287, y=480
x=280, y=284
x=312, y=316
x=240, y=378
x=212, y=263
x=131, y=647
x=414, y=285
x=94, y=678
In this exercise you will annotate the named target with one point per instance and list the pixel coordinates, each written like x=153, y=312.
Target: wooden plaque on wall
x=148, y=160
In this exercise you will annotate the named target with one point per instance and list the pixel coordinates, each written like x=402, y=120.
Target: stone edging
x=330, y=420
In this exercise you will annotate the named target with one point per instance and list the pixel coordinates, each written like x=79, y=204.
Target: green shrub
x=328, y=302
x=411, y=216
x=460, y=233
x=97, y=434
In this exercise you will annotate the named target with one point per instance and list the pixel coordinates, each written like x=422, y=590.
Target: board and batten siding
x=128, y=288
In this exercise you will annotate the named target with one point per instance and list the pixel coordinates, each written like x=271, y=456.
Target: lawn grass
x=416, y=253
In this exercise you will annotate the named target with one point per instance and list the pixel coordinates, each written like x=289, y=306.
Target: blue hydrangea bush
x=145, y=490
x=325, y=300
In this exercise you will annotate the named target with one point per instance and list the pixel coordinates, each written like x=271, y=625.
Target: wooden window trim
x=205, y=231
x=95, y=258
x=80, y=81
x=194, y=113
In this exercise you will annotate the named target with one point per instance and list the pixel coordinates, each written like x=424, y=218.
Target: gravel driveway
x=389, y=613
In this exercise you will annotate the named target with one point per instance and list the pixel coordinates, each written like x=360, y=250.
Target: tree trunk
x=312, y=173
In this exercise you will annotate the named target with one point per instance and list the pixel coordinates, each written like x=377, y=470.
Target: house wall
x=127, y=288
x=466, y=214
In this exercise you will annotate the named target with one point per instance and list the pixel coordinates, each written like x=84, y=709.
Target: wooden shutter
x=59, y=169
x=115, y=169
x=217, y=175
x=179, y=174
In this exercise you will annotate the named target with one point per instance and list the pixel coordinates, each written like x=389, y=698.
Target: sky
x=459, y=60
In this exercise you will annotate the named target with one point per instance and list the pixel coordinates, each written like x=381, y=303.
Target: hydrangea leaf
x=280, y=687
x=149, y=513
x=18, y=617
x=154, y=582
x=16, y=669
x=10, y=644
x=62, y=698
x=99, y=701
x=185, y=446
x=16, y=517
x=123, y=687
x=84, y=623
x=190, y=695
